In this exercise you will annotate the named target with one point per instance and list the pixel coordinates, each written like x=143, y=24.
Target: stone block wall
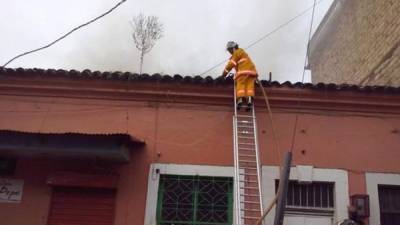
x=358, y=44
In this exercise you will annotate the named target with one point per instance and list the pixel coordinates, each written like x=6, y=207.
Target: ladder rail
x=236, y=162
x=257, y=158
x=236, y=172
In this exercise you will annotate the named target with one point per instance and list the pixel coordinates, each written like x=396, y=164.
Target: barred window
x=192, y=200
x=315, y=197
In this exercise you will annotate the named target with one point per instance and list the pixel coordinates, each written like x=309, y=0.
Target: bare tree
x=146, y=31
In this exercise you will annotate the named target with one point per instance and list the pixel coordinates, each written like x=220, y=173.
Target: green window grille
x=194, y=200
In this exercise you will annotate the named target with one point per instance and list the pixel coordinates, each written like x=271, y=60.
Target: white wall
x=373, y=180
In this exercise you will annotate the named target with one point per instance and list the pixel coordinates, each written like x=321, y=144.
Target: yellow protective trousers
x=245, y=86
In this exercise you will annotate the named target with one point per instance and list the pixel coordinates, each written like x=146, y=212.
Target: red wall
x=189, y=134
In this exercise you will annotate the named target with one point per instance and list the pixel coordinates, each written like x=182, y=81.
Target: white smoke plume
x=194, y=39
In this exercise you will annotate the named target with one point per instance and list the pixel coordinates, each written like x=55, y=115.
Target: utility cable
x=268, y=34
x=65, y=35
x=302, y=80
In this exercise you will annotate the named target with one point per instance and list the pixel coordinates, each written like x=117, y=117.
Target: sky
x=194, y=39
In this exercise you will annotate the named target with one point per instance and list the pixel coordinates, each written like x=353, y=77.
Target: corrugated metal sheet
x=82, y=206
x=109, y=147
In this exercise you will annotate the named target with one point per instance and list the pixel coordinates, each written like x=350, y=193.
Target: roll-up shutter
x=82, y=206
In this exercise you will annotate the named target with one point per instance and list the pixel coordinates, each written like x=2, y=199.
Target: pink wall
x=36, y=195
x=190, y=134
x=356, y=143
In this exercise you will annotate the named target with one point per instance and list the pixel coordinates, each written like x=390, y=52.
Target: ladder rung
x=250, y=202
x=248, y=174
x=247, y=161
x=245, y=181
x=246, y=137
x=248, y=168
x=241, y=126
x=251, y=210
x=247, y=165
x=247, y=149
x=249, y=195
x=249, y=218
x=246, y=132
x=245, y=121
x=246, y=143
x=244, y=116
x=249, y=124
x=254, y=188
x=242, y=155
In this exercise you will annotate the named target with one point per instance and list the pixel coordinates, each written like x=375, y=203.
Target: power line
x=270, y=33
x=302, y=79
x=65, y=35
x=284, y=24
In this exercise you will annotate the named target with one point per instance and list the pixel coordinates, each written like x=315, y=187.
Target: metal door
x=82, y=206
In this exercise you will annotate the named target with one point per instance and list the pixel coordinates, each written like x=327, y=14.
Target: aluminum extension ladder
x=248, y=199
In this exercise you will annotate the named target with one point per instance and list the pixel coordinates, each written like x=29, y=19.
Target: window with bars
x=315, y=197
x=194, y=200
x=389, y=204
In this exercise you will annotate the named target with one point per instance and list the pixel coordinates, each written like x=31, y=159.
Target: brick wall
x=358, y=43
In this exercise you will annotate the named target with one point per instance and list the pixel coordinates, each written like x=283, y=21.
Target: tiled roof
x=127, y=76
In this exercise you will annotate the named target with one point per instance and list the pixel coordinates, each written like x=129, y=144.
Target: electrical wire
x=302, y=81
x=268, y=34
x=65, y=35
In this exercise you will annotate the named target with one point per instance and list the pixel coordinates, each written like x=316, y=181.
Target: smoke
x=195, y=34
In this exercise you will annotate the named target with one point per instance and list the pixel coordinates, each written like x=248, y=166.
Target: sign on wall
x=11, y=190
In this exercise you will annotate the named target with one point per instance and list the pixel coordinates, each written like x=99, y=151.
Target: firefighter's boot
x=249, y=103
x=239, y=103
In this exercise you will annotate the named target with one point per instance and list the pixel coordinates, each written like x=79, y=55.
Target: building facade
x=126, y=149
x=358, y=42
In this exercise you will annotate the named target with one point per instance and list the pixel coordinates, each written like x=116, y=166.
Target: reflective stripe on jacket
x=242, y=64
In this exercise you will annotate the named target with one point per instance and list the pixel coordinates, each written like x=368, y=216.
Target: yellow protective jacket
x=242, y=64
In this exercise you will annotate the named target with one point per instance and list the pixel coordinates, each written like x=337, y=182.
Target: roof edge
x=37, y=73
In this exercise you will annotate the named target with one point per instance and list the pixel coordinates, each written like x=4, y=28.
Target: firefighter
x=245, y=76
